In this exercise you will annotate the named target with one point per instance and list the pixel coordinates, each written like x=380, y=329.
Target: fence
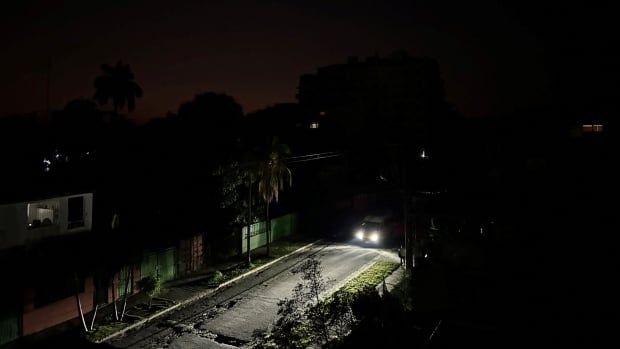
x=9, y=325
x=190, y=255
x=160, y=264
x=280, y=227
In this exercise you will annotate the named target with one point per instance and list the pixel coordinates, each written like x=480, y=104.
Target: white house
x=26, y=222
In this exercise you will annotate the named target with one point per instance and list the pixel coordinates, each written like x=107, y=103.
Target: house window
x=75, y=217
x=314, y=124
x=42, y=214
x=592, y=128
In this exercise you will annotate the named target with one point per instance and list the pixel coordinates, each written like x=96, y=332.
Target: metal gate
x=149, y=265
x=167, y=267
x=9, y=325
x=159, y=264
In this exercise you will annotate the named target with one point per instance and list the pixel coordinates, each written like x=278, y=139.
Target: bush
x=151, y=285
x=217, y=278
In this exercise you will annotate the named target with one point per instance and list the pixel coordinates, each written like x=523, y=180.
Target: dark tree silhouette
x=117, y=84
x=217, y=116
x=273, y=176
x=79, y=121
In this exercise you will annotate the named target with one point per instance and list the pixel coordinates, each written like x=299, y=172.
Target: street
x=234, y=314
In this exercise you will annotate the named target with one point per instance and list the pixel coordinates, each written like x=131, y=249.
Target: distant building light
x=314, y=124
x=592, y=128
x=322, y=113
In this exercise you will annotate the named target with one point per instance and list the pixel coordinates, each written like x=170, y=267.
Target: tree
x=78, y=125
x=273, y=175
x=78, y=302
x=250, y=178
x=303, y=320
x=210, y=123
x=117, y=84
x=234, y=179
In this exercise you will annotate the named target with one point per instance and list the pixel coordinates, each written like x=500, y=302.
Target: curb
x=203, y=294
x=398, y=274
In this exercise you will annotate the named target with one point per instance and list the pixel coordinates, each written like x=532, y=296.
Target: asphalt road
x=232, y=315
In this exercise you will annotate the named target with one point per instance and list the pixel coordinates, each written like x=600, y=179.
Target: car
x=372, y=230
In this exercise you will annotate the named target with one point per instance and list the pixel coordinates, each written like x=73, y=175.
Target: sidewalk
x=194, y=287
x=180, y=290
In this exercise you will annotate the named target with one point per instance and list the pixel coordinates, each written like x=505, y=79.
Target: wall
x=190, y=255
x=35, y=320
x=119, y=284
x=14, y=221
x=280, y=227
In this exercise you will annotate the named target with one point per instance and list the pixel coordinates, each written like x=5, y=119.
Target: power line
x=290, y=158
x=313, y=159
x=297, y=159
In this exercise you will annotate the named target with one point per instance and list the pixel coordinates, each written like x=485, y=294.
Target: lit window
x=43, y=213
x=592, y=128
x=314, y=124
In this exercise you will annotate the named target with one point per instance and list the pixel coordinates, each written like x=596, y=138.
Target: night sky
x=494, y=58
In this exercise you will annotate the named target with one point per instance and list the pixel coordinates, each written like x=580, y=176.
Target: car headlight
x=374, y=237
x=359, y=234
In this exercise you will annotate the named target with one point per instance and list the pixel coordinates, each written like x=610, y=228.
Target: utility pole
x=407, y=231
x=249, y=218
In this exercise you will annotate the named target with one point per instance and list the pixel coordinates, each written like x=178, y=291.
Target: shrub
x=151, y=285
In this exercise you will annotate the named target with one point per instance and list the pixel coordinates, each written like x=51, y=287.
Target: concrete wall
x=38, y=319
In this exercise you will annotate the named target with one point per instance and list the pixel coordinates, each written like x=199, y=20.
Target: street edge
x=203, y=294
x=380, y=256
x=341, y=284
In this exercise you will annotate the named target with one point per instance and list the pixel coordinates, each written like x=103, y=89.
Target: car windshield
x=370, y=226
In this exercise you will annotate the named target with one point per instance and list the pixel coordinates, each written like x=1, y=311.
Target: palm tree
x=117, y=84
x=273, y=175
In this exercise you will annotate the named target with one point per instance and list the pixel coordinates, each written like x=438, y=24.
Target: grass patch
x=369, y=278
x=105, y=330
